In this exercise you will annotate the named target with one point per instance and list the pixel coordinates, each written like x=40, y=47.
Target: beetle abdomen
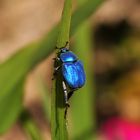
x=74, y=74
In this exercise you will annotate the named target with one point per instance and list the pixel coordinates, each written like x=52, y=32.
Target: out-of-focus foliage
x=30, y=126
x=82, y=101
x=14, y=71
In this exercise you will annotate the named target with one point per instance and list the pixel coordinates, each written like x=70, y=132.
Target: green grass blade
x=45, y=96
x=14, y=70
x=84, y=12
x=30, y=126
x=14, y=97
x=58, y=121
x=64, y=27
x=83, y=98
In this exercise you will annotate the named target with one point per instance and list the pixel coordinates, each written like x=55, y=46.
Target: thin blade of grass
x=83, y=98
x=30, y=126
x=14, y=102
x=45, y=96
x=58, y=121
x=83, y=12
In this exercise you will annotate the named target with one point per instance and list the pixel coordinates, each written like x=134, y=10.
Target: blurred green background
x=108, y=43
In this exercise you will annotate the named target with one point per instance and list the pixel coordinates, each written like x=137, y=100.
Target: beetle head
x=63, y=50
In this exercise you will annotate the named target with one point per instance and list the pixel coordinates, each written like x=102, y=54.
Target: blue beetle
x=72, y=71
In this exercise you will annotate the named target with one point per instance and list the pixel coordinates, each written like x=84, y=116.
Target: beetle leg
x=66, y=110
x=65, y=98
x=55, y=71
x=56, y=66
x=65, y=92
x=56, y=59
x=56, y=47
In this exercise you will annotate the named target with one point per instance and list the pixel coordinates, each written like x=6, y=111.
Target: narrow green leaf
x=45, y=96
x=84, y=12
x=30, y=126
x=14, y=97
x=58, y=121
x=83, y=98
x=63, y=35
x=84, y=129
x=14, y=70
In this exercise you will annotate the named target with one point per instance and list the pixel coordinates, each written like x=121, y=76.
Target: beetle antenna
x=66, y=45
